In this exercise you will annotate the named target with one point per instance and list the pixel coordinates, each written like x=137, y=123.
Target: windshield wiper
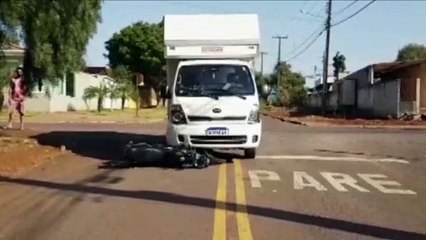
x=228, y=92
x=199, y=92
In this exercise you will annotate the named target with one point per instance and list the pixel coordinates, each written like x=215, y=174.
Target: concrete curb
x=397, y=127
x=285, y=119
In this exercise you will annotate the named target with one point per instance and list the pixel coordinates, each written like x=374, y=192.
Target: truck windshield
x=214, y=80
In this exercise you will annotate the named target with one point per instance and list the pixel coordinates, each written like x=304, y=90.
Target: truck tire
x=250, y=153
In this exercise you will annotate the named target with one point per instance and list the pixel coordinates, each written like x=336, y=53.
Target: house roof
x=12, y=46
x=11, y=49
x=95, y=70
x=387, y=67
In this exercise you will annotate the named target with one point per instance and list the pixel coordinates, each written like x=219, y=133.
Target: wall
x=348, y=92
x=422, y=88
x=358, y=93
x=314, y=101
x=413, y=92
x=332, y=100
x=386, y=98
x=408, y=107
x=63, y=99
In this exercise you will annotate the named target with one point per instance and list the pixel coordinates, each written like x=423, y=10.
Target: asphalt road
x=308, y=183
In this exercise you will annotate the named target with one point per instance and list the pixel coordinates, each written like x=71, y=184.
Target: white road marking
x=257, y=175
x=330, y=158
x=302, y=180
x=379, y=184
x=299, y=183
x=337, y=180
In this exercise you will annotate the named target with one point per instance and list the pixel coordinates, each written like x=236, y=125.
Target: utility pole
x=261, y=61
x=279, y=56
x=326, y=56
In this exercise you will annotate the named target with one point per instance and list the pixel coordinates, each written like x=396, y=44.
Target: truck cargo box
x=208, y=36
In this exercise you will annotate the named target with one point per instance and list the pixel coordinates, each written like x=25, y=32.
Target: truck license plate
x=217, y=132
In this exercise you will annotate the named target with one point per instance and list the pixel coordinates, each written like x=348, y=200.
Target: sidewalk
x=105, y=117
x=316, y=121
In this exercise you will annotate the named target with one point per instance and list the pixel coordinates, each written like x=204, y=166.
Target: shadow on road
x=108, y=146
x=96, y=144
x=157, y=196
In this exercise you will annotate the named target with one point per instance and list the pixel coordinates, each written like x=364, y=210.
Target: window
x=219, y=80
x=70, y=84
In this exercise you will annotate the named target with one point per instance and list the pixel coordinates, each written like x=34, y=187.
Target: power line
x=306, y=40
x=297, y=25
x=354, y=14
x=347, y=6
x=307, y=47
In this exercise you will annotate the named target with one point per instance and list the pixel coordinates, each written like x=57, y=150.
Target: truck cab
x=213, y=99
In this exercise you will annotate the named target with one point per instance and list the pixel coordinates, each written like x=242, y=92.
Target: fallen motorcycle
x=137, y=154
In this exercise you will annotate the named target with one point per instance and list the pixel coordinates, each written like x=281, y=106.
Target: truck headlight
x=254, y=117
x=177, y=114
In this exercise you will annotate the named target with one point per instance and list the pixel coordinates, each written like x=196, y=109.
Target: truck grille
x=236, y=139
x=208, y=119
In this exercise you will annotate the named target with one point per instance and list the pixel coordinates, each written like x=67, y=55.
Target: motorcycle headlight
x=254, y=117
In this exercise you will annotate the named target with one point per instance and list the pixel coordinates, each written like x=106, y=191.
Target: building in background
x=66, y=95
x=389, y=89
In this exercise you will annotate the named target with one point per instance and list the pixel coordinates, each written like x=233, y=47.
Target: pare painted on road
x=339, y=181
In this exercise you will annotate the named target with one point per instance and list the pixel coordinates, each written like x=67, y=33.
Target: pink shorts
x=18, y=106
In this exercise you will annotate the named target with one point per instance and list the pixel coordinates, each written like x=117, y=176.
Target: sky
x=374, y=35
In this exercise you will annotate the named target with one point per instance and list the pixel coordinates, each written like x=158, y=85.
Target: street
x=306, y=183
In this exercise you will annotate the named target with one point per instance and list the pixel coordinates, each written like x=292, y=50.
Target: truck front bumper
x=241, y=136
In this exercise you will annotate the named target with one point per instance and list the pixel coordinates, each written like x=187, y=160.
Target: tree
x=139, y=47
x=96, y=92
x=292, y=85
x=411, y=51
x=124, y=87
x=55, y=34
x=339, y=64
x=8, y=22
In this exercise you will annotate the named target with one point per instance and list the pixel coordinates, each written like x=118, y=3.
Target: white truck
x=213, y=102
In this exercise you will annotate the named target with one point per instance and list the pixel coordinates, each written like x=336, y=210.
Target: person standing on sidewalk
x=17, y=97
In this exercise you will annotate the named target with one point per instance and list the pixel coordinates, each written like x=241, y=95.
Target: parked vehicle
x=213, y=99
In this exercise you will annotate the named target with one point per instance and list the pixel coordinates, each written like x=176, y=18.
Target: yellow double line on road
x=244, y=230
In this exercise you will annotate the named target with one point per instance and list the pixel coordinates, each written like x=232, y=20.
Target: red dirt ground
x=19, y=154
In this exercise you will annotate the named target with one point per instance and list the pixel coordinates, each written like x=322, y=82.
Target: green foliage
x=412, y=51
x=8, y=21
x=292, y=89
x=96, y=92
x=262, y=79
x=55, y=33
x=124, y=87
x=139, y=47
x=339, y=64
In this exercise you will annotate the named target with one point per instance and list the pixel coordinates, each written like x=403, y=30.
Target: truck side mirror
x=266, y=89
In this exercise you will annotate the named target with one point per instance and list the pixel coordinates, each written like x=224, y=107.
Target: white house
x=67, y=95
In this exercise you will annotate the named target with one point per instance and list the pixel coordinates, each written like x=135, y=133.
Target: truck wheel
x=250, y=153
